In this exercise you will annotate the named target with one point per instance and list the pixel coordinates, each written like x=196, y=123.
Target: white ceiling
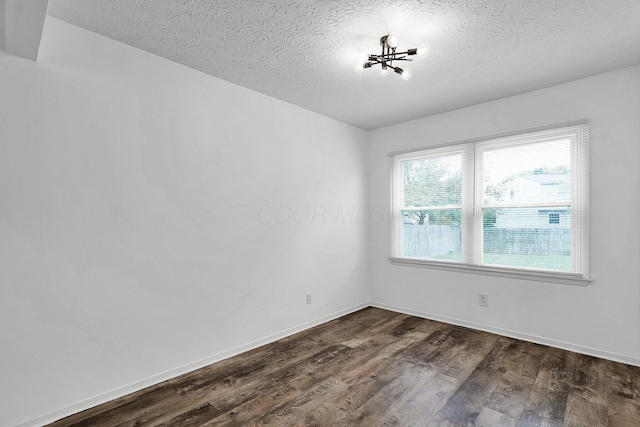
x=304, y=51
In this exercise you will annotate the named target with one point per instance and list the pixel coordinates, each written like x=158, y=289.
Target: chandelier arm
x=389, y=58
x=406, y=53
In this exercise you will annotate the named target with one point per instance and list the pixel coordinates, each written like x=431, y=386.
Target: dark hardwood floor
x=380, y=368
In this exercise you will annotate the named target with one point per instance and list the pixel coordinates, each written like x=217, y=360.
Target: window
x=508, y=205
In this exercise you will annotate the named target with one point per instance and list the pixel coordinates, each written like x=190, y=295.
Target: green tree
x=489, y=217
x=429, y=182
x=494, y=193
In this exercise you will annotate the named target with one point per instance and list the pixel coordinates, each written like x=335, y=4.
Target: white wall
x=138, y=226
x=601, y=319
x=153, y=219
x=3, y=25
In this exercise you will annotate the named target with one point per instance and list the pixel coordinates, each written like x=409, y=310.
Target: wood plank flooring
x=380, y=368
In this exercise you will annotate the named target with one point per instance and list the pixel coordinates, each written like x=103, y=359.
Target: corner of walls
x=376, y=214
x=22, y=23
x=110, y=395
x=564, y=345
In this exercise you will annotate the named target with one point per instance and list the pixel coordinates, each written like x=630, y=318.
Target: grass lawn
x=545, y=262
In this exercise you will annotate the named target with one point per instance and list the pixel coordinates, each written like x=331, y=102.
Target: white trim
x=431, y=208
x=176, y=372
x=514, y=273
x=167, y=375
x=566, y=204
x=576, y=133
x=395, y=245
x=469, y=179
x=477, y=226
x=602, y=354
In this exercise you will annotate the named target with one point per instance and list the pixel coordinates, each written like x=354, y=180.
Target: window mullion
x=478, y=201
x=468, y=206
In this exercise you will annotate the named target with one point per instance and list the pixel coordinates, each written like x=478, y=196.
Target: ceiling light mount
x=390, y=54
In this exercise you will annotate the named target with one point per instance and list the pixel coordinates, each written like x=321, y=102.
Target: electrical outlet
x=308, y=298
x=483, y=300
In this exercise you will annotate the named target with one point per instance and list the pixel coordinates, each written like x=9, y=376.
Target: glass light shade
x=392, y=40
x=406, y=74
x=423, y=50
x=384, y=71
x=358, y=67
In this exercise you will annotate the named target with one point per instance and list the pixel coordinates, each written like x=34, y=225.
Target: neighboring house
x=535, y=188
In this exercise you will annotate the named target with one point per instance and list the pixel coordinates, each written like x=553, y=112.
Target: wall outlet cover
x=483, y=300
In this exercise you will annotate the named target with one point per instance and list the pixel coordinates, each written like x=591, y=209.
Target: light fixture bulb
x=384, y=71
x=406, y=74
x=359, y=67
x=423, y=50
x=392, y=40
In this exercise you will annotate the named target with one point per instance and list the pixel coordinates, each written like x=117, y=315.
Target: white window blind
x=432, y=200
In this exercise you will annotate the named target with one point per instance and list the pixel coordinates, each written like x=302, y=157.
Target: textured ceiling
x=304, y=51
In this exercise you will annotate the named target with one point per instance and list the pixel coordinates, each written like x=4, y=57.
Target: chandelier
x=390, y=54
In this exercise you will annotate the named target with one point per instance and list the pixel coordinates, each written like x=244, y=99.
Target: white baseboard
x=172, y=373
x=629, y=360
x=155, y=379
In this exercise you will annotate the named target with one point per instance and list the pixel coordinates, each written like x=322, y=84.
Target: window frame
x=472, y=191
x=398, y=196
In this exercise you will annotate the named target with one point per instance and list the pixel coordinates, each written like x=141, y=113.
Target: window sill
x=514, y=273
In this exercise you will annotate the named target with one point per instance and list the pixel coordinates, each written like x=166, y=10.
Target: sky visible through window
x=503, y=163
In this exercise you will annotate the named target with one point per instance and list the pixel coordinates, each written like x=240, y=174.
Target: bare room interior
x=211, y=203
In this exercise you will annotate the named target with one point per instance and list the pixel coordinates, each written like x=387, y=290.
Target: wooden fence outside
x=433, y=241
x=527, y=241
